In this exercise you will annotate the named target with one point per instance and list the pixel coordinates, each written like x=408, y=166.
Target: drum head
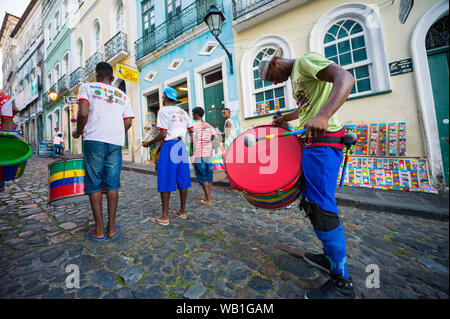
x=267, y=166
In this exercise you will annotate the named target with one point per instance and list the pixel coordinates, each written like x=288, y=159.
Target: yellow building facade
x=390, y=85
x=104, y=31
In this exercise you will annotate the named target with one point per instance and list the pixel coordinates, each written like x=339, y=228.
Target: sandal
x=116, y=234
x=204, y=202
x=89, y=236
x=156, y=221
x=177, y=213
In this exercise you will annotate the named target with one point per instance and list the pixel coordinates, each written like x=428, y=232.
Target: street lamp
x=52, y=95
x=214, y=20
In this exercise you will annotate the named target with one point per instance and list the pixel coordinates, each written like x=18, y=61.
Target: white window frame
x=79, y=58
x=248, y=88
x=171, y=65
x=94, y=48
x=203, y=51
x=369, y=18
x=56, y=20
x=56, y=70
x=65, y=68
x=150, y=76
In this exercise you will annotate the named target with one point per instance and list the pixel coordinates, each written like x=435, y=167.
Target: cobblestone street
x=229, y=250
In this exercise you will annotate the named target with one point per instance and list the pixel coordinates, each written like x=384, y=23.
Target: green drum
x=66, y=179
x=14, y=155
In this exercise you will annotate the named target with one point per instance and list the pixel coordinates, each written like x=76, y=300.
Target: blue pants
x=102, y=164
x=320, y=171
x=173, y=167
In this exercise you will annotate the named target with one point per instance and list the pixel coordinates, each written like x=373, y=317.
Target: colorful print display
x=379, y=139
x=396, y=174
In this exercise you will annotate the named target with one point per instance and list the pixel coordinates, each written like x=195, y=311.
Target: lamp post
x=214, y=20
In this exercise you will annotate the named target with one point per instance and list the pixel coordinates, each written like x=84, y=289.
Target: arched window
x=65, y=11
x=120, y=18
x=268, y=97
x=351, y=35
x=262, y=97
x=56, y=72
x=345, y=44
x=79, y=53
x=56, y=22
x=65, y=64
x=49, y=81
x=96, y=39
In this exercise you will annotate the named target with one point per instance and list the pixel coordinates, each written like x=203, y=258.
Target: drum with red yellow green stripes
x=66, y=182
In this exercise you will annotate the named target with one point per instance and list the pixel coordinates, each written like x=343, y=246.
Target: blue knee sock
x=334, y=246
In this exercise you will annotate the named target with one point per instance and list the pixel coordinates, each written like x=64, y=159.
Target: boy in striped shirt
x=203, y=152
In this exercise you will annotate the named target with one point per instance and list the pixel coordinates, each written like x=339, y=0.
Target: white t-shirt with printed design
x=175, y=120
x=108, y=107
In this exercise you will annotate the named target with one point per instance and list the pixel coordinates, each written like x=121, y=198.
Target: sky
x=15, y=7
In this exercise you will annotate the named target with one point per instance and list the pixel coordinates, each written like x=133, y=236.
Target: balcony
x=180, y=23
x=242, y=7
x=248, y=13
x=63, y=85
x=116, y=48
x=76, y=77
x=92, y=62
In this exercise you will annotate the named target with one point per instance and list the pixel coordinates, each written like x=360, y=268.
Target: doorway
x=213, y=98
x=438, y=61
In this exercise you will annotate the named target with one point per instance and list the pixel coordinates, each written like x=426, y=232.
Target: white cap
x=265, y=62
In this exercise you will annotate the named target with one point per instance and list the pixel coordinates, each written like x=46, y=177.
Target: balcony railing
x=91, y=63
x=117, y=44
x=76, y=77
x=63, y=83
x=242, y=7
x=45, y=99
x=179, y=23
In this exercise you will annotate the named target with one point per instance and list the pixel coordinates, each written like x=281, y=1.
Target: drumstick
x=140, y=146
x=250, y=139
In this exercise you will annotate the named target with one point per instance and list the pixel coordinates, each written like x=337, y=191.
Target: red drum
x=267, y=173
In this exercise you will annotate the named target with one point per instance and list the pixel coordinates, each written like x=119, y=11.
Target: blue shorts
x=321, y=167
x=103, y=164
x=173, y=167
x=203, y=169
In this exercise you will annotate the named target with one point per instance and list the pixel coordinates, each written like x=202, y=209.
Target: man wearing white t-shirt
x=173, y=162
x=105, y=114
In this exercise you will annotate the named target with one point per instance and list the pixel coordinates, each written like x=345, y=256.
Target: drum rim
x=50, y=202
x=65, y=160
x=245, y=191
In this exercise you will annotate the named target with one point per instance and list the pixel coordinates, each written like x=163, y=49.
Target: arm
x=159, y=137
x=127, y=123
x=343, y=82
x=82, y=117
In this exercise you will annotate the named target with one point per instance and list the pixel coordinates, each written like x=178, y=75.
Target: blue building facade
x=175, y=48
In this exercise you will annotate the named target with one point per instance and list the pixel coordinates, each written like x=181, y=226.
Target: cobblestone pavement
x=230, y=250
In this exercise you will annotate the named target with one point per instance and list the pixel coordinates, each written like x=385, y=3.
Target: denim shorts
x=102, y=164
x=203, y=170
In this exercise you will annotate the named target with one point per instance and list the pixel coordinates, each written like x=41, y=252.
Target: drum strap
x=332, y=139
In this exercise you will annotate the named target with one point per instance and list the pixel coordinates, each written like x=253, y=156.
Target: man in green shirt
x=320, y=87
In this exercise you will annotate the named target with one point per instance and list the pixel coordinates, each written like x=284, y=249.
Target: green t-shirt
x=311, y=93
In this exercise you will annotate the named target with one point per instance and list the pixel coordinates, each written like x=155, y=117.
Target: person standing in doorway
x=105, y=112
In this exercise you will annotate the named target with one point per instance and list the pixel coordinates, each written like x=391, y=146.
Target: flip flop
x=156, y=221
x=204, y=202
x=177, y=213
x=89, y=236
x=116, y=234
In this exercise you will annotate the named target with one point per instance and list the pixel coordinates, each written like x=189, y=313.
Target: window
x=351, y=36
x=49, y=33
x=56, y=22
x=345, y=44
x=65, y=64
x=150, y=76
x=267, y=97
x=80, y=59
x=173, y=7
x=148, y=16
x=49, y=81
x=56, y=73
x=208, y=48
x=120, y=19
x=175, y=64
x=65, y=10
x=96, y=38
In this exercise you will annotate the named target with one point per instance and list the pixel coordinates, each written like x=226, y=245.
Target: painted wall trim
x=425, y=90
